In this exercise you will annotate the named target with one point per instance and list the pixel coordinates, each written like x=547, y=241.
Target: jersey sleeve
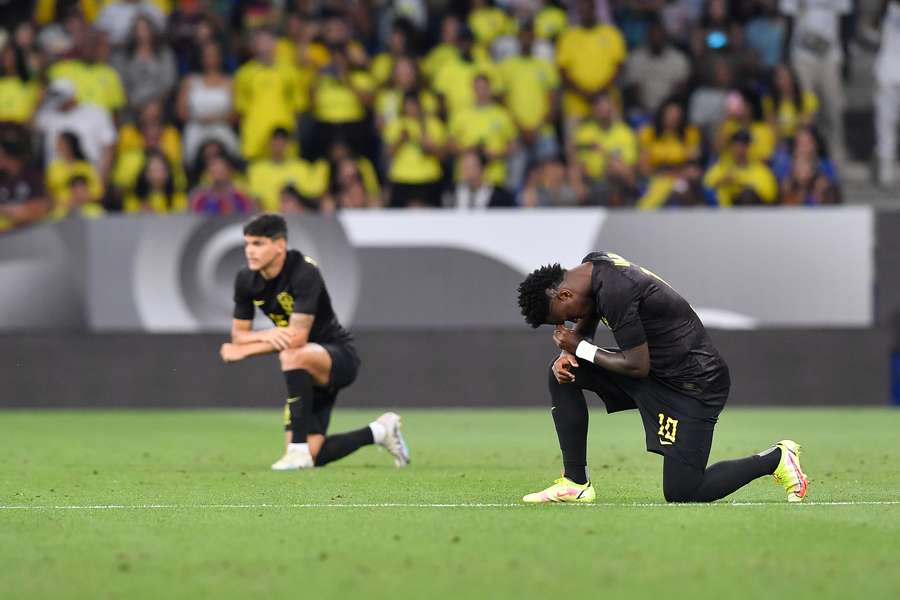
x=307, y=285
x=243, y=300
x=619, y=304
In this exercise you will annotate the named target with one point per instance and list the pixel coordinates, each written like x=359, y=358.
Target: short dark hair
x=533, y=298
x=267, y=225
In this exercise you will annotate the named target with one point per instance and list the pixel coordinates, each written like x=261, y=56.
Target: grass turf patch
x=227, y=526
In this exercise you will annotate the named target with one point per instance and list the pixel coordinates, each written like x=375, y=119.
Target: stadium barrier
x=130, y=312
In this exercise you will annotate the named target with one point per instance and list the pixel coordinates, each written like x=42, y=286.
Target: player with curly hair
x=665, y=366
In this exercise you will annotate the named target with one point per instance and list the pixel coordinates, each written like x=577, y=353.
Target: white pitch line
x=414, y=505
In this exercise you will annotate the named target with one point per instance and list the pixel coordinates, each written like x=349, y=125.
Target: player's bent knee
x=293, y=358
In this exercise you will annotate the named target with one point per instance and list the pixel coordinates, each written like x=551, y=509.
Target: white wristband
x=586, y=351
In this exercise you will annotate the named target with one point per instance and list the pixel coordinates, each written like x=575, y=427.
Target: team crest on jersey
x=259, y=302
x=286, y=301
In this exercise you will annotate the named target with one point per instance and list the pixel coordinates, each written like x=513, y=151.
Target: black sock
x=720, y=479
x=338, y=446
x=300, y=403
x=570, y=415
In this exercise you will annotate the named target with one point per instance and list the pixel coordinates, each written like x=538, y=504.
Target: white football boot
x=296, y=457
x=393, y=440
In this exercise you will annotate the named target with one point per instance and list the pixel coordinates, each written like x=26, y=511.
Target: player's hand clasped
x=281, y=338
x=566, y=339
x=562, y=367
x=231, y=352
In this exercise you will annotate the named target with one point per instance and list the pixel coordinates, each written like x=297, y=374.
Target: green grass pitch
x=204, y=517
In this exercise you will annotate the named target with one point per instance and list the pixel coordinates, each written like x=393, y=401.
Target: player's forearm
x=246, y=337
x=254, y=348
x=619, y=362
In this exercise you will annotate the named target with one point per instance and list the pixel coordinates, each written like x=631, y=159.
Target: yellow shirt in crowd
x=762, y=139
x=590, y=57
x=786, y=115
x=94, y=83
x=266, y=97
x=60, y=173
x=412, y=163
x=389, y=103
x=456, y=80
x=18, y=99
x=489, y=23
x=439, y=56
x=489, y=126
x=157, y=203
x=266, y=179
x=550, y=22
x=593, y=144
x=728, y=179
x=669, y=149
x=528, y=82
x=335, y=101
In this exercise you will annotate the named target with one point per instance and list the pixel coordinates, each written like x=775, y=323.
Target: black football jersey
x=299, y=288
x=638, y=306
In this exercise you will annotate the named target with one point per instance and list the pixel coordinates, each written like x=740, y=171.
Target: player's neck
x=273, y=269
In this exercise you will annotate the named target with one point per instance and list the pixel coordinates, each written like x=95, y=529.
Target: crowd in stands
x=234, y=106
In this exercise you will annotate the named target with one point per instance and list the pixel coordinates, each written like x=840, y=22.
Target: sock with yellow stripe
x=300, y=403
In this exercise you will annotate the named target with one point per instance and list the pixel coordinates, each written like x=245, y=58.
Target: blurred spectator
x=220, y=196
x=265, y=96
x=531, y=85
x=293, y=203
x=788, y=105
x=709, y=101
x=488, y=22
x=147, y=65
x=744, y=112
x=590, y=56
x=118, y=18
x=739, y=178
x=339, y=153
x=267, y=177
x=656, y=71
x=205, y=105
x=91, y=124
x=447, y=50
x=473, y=192
x=150, y=133
x=669, y=142
x=808, y=186
x=48, y=11
x=157, y=189
x=765, y=33
x=415, y=143
x=22, y=195
x=96, y=82
x=400, y=43
x=349, y=188
x=70, y=162
x=342, y=95
x=814, y=38
x=19, y=94
x=668, y=149
x=454, y=82
x=549, y=185
x=604, y=149
x=487, y=126
x=404, y=80
x=806, y=146
x=550, y=21
x=25, y=38
x=82, y=201
x=887, y=93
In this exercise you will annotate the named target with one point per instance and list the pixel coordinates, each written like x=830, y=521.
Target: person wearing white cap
x=91, y=124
